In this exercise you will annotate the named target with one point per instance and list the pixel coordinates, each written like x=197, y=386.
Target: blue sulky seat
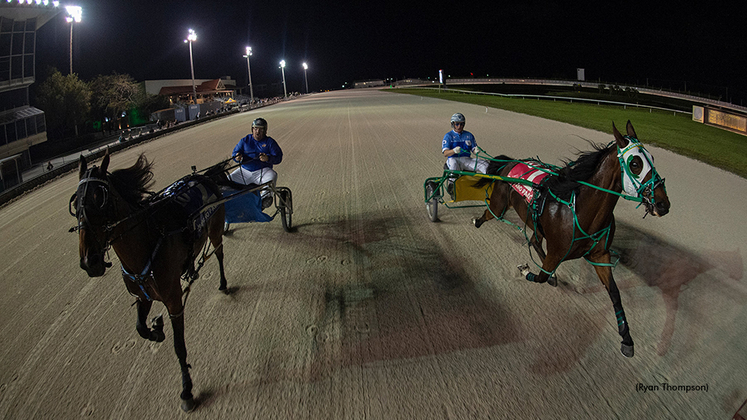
x=243, y=208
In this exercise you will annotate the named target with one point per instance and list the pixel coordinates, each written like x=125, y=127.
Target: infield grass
x=678, y=133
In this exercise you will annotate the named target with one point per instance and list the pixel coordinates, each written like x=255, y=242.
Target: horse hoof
x=188, y=405
x=524, y=269
x=223, y=289
x=626, y=350
x=157, y=336
x=157, y=322
x=553, y=281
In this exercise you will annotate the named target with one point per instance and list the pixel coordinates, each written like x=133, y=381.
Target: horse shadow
x=669, y=268
x=390, y=300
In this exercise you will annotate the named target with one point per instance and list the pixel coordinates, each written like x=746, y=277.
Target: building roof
x=210, y=86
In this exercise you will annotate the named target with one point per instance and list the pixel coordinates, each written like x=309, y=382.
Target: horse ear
x=82, y=167
x=619, y=139
x=105, y=162
x=631, y=132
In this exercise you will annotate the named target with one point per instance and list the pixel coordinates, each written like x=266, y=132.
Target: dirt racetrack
x=369, y=310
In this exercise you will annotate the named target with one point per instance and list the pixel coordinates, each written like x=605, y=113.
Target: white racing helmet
x=458, y=117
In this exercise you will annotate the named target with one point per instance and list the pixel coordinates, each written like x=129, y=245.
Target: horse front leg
x=176, y=313
x=156, y=334
x=549, y=264
x=536, y=242
x=605, y=275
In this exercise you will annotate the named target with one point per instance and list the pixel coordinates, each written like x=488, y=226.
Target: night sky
x=698, y=46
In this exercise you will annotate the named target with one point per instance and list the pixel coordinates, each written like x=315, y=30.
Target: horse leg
x=498, y=205
x=176, y=313
x=215, y=233
x=605, y=275
x=223, y=283
x=536, y=241
x=156, y=334
x=487, y=215
x=549, y=265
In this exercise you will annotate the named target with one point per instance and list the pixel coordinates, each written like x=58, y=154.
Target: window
x=28, y=65
x=30, y=126
x=10, y=131
x=17, y=44
x=16, y=67
x=5, y=45
x=6, y=25
x=21, y=129
x=28, y=46
x=41, y=125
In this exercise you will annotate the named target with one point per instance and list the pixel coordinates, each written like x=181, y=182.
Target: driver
x=257, y=154
x=457, y=147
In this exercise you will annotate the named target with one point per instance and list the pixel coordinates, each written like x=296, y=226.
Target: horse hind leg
x=215, y=233
x=487, y=215
x=498, y=205
x=156, y=333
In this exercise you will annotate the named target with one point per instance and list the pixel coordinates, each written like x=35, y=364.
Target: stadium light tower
x=306, y=79
x=251, y=91
x=191, y=37
x=282, y=70
x=74, y=14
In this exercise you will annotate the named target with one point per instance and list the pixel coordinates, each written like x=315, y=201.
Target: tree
x=112, y=95
x=149, y=104
x=65, y=101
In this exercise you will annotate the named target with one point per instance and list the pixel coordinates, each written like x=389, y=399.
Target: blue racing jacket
x=453, y=139
x=251, y=149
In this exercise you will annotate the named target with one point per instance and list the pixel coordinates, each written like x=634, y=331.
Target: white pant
x=260, y=176
x=467, y=164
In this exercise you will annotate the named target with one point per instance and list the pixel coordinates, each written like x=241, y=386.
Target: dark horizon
x=662, y=46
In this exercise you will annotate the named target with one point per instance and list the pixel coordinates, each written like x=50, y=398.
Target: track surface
x=371, y=311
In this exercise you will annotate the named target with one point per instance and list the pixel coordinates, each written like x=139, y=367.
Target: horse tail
x=495, y=167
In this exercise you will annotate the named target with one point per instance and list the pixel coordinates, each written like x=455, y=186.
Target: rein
x=143, y=214
x=640, y=188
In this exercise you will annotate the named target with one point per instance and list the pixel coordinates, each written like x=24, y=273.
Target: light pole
x=191, y=37
x=251, y=91
x=282, y=70
x=306, y=67
x=74, y=14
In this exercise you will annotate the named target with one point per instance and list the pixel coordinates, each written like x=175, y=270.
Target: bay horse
x=573, y=209
x=151, y=235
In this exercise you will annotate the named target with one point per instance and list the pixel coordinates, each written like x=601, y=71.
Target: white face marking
x=632, y=182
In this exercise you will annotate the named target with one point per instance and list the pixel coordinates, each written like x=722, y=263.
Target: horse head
x=93, y=210
x=640, y=179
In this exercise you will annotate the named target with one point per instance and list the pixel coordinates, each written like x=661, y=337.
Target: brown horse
x=573, y=209
x=153, y=239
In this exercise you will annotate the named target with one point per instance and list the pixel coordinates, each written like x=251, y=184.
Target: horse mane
x=134, y=183
x=582, y=169
x=217, y=173
x=494, y=168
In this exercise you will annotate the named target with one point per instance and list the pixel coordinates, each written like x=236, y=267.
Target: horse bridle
x=89, y=184
x=641, y=188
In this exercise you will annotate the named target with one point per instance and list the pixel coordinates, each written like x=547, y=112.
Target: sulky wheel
x=286, y=210
x=432, y=204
